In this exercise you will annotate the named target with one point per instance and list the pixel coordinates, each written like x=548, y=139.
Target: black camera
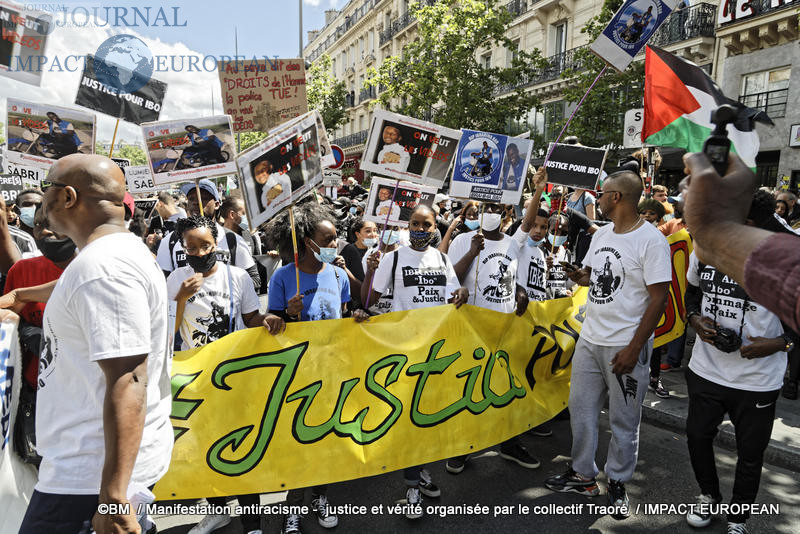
x=726, y=340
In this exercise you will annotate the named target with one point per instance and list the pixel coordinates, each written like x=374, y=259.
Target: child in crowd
x=418, y=276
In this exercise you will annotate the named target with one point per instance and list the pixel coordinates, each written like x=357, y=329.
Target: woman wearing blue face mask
x=364, y=236
x=324, y=294
x=467, y=221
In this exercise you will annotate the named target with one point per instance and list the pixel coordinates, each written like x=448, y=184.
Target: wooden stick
x=200, y=198
x=294, y=244
x=113, y=140
x=478, y=258
x=380, y=240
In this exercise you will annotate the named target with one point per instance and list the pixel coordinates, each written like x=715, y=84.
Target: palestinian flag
x=678, y=100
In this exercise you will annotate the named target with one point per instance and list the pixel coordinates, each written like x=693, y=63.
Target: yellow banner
x=334, y=400
x=673, y=323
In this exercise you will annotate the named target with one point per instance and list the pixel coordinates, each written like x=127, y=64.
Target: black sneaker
x=326, y=519
x=456, y=465
x=658, y=388
x=518, y=453
x=618, y=498
x=572, y=482
x=426, y=485
x=543, y=431
x=291, y=524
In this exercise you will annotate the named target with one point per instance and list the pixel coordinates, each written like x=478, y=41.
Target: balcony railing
x=400, y=23
x=517, y=7
x=773, y=103
x=687, y=23
x=350, y=99
x=357, y=138
x=349, y=22
x=556, y=64
x=366, y=94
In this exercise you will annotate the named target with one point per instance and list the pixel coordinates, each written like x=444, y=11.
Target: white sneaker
x=319, y=504
x=210, y=523
x=699, y=515
x=255, y=531
x=736, y=528
x=414, y=503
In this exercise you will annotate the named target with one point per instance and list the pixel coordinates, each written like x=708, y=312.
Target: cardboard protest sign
x=575, y=166
x=409, y=149
x=490, y=167
x=409, y=196
x=142, y=105
x=140, y=180
x=30, y=175
x=259, y=95
x=630, y=28
x=280, y=170
x=10, y=187
x=331, y=177
x=22, y=42
x=122, y=162
x=39, y=134
x=146, y=205
x=326, y=154
x=183, y=150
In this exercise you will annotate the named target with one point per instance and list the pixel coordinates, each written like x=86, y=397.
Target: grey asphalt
x=664, y=475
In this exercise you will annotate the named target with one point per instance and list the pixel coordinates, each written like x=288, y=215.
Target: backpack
x=230, y=238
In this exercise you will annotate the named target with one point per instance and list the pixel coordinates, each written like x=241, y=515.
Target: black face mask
x=56, y=250
x=202, y=264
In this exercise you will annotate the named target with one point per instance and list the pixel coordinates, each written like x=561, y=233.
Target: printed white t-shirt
x=207, y=315
x=532, y=269
x=110, y=302
x=421, y=278
x=730, y=369
x=497, y=271
x=623, y=265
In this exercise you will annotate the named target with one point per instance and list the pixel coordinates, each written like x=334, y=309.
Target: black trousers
x=752, y=414
x=58, y=514
x=249, y=521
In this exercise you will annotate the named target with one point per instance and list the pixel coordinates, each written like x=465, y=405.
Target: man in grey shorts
x=628, y=271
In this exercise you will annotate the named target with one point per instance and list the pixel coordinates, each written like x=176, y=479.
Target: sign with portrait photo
x=40, y=134
x=25, y=32
x=630, y=28
x=326, y=154
x=408, y=196
x=189, y=149
x=490, y=167
x=409, y=149
x=280, y=170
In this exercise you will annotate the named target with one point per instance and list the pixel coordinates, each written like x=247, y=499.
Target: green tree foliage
x=600, y=119
x=248, y=139
x=132, y=152
x=439, y=76
x=326, y=94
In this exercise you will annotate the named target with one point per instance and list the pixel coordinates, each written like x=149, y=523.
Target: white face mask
x=491, y=221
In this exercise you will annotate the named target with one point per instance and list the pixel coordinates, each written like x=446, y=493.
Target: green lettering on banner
x=182, y=408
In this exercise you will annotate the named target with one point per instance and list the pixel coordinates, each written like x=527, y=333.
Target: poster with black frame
x=138, y=106
x=40, y=134
x=575, y=165
x=25, y=33
x=189, y=149
x=629, y=30
x=409, y=149
x=409, y=195
x=490, y=167
x=325, y=152
x=279, y=171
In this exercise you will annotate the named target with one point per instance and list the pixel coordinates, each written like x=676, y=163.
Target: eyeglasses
x=601, y=193
x=47, y=184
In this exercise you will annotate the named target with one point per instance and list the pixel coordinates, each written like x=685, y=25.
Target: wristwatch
x=789, y=343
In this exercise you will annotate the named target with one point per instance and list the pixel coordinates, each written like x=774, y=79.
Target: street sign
x=338, y=154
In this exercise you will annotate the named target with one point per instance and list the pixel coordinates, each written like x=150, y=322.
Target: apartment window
x=361, y=46
x=512, y=53
x=767, y=90
x=559, y=34
x=486, y=60
x=344, y=61
x=767, y=167
x=371, y=42
x=352, y=55
x=361, y=125
x=333, y=66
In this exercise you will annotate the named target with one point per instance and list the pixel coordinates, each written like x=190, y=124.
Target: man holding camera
x=737, y=367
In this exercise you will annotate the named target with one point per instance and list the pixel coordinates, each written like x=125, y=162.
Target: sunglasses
x=601, y=193
x=47, y=184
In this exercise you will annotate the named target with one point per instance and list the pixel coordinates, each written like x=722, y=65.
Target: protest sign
x=39, y=134
x=331, y=177
x=326, y=154
x=251, y=410
x=280, y=170
x=10, y=187
x=490, y=167
x=140, y=180
x=122, y=163
x=630, y=28
x=408, y=197
x=183, y=150
x=142, y=105
x=672, y=324
x=632, y=133
x=30, y=175
x=409, y=149
x=259, y=95
x=22, y=43
x=146, y=205
x=575, y=166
